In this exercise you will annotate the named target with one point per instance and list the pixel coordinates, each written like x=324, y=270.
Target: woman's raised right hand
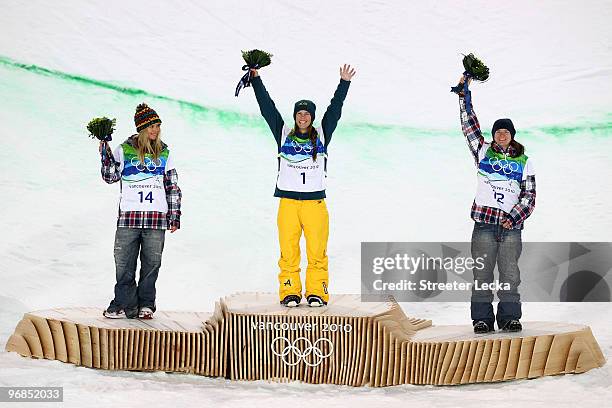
x=462, y=79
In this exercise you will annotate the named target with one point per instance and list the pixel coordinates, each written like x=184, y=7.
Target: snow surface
x=397, y=159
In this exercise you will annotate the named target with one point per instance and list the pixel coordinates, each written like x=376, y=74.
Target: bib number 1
x=148, y=197
x=303, y=178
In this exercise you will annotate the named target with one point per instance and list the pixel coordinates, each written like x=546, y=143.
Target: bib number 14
x=148, y=197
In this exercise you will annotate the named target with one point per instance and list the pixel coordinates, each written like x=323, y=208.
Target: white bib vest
x=297, y=170
x=499, y=178
x=142, y=184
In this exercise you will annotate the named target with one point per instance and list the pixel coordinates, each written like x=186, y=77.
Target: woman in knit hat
x=302, y=165
x=149, y=204
x=505, y=197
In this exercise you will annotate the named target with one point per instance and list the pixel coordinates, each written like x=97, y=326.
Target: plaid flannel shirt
x=491, y=215
x=145, y=219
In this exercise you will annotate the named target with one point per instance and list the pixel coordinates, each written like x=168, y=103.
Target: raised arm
x=267, y=107
x=470, y=128
x=334, y=110
x=111, y=170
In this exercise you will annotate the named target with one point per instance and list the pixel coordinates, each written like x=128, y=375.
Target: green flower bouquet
x=254, y=59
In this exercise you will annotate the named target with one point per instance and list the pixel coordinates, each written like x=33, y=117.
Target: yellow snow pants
x=312, y=217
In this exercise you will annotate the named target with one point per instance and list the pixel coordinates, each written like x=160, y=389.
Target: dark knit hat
x=145, y=117
x=503, y=124
x=306, y=105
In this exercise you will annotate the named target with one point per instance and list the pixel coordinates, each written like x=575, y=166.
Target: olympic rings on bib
x=301, y=355
x=149, y=164
x=307, y=148
x=504, y=165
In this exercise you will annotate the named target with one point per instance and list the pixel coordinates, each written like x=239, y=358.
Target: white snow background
x=399, y=168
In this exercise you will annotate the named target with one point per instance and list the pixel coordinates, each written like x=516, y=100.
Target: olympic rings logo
x=307, y=148
x=292, y=354
x=506, y=166
x=149, y=164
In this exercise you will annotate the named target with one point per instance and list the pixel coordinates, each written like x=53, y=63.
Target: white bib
x=142, y=184
x=297, y=170
x=499, y=179
x=145, y=195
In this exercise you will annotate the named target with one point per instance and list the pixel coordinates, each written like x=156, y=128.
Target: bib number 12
x=148, y=197
x=499, y=197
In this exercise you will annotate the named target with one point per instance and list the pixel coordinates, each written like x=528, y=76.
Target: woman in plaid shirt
x=504, y=199
x=149, y=204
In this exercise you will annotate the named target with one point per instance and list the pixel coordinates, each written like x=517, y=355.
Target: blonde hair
x=144, y=145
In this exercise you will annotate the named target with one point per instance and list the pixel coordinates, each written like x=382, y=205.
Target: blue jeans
x=501, y=246
x=129, y=242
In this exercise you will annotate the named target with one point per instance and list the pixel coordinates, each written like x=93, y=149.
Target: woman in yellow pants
x=302, y=165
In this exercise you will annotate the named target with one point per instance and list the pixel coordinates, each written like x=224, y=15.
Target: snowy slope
x=551, y=73
x=549, y=60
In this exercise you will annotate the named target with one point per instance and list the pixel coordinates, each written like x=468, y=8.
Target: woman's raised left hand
x=347, y=73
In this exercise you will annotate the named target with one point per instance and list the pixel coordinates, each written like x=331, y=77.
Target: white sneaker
x=145, y=313
x=119, y=314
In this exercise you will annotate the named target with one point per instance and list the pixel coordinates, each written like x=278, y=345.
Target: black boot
x=291, y=301
x=316, y=301
x=482, y=327
x=512, y=326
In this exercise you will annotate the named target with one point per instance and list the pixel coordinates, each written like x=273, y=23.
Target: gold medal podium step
x=249, y=336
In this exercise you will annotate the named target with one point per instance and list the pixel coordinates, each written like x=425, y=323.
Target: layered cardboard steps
x=249, y=336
